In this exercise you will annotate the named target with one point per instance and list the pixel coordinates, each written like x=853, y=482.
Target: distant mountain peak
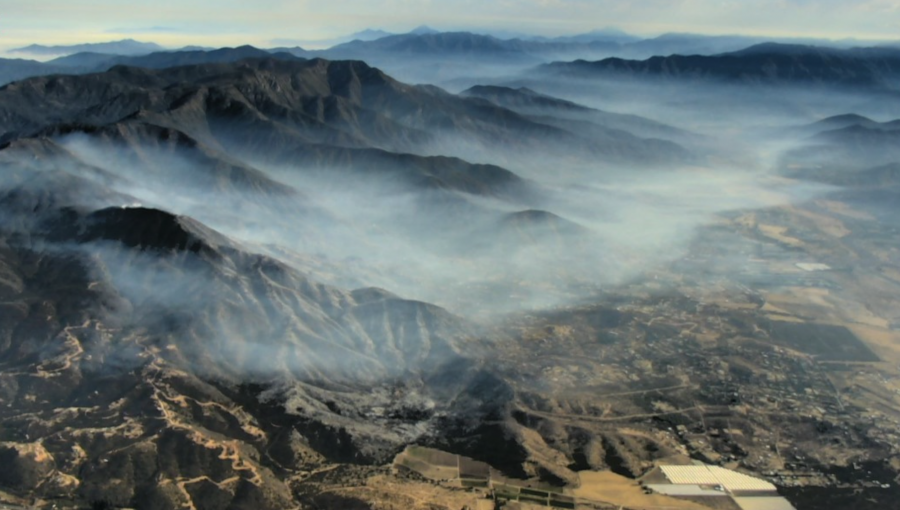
x=369, y=34
x=120, y=47
x=770, y=47
x=423, y=30
x=610, y=30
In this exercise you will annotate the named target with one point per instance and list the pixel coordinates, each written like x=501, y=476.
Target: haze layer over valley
x=245, y=278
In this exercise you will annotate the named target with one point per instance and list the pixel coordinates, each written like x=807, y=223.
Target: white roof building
x=731, y=481
x=749, y=492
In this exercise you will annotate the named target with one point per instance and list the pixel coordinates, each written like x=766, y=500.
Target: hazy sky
x=258, y=22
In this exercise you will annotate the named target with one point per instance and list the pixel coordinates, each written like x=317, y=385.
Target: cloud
x=144, y=30
x=279, y=41
x=229, y=22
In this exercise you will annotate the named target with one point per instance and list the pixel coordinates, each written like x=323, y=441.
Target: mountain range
x=183, y=285
x=451, y=52
x=123, y=47
x=174, y=326
x=245, y=278
x=767, y=63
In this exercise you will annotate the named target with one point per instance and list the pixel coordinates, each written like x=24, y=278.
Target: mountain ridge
x=768, y=63
x=121, y=47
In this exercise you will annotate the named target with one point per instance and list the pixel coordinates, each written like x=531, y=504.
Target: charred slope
x=148, y=229
x=142, y=333
x=156, y=257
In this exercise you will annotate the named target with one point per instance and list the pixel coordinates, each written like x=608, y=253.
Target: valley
x=250, y=279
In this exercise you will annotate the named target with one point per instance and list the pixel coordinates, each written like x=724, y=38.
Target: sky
x=259, y=22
